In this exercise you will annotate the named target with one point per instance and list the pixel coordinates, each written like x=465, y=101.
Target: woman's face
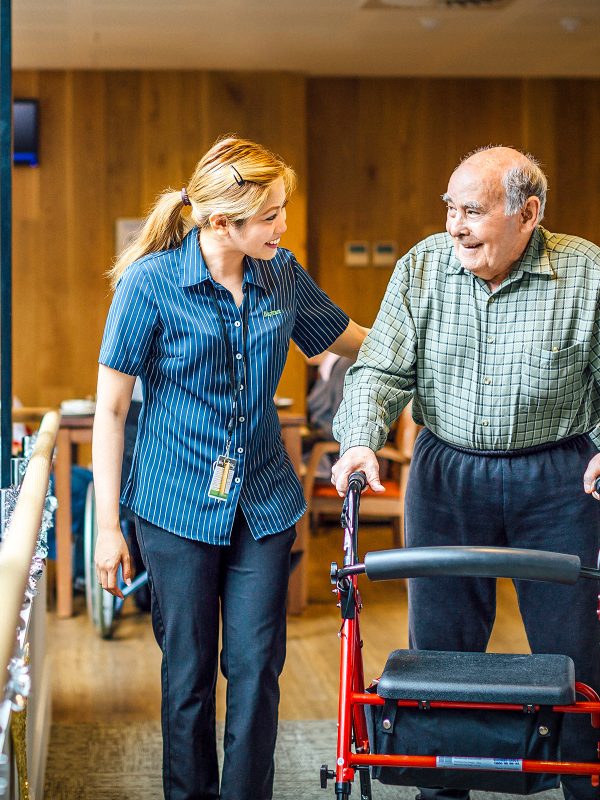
x=259, y=236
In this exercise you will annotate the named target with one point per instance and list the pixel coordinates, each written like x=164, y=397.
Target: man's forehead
x=475, y=186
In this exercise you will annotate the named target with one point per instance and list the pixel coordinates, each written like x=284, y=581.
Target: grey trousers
x=533, y=501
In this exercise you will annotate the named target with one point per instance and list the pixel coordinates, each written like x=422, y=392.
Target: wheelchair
x=103, y=608
x=486, y=721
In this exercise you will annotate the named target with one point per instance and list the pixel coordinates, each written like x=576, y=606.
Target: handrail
x=19, y=542
x=29, y=414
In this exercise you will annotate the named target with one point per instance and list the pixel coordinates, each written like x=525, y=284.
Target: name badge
x=222, y=478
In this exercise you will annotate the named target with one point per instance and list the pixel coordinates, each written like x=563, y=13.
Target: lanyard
x=236, y=386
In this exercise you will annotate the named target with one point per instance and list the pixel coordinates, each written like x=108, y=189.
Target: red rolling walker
x=487, y=721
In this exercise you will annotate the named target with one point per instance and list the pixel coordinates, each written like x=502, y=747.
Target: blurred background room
x=373, y=102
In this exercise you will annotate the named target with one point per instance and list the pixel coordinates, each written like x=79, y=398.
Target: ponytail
x=163, y=229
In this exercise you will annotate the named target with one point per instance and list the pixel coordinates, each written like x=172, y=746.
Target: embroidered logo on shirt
x=272, y=313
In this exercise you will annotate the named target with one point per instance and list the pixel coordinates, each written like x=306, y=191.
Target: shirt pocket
x=552, y=378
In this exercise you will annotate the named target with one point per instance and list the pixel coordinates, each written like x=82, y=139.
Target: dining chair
x=323, y=499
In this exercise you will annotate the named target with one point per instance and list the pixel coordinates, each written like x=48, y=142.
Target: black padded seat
x=538, y=679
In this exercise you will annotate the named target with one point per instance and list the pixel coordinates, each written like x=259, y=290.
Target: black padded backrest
x=481, y=562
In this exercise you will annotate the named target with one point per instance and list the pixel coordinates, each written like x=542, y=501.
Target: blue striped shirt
x=163, y=326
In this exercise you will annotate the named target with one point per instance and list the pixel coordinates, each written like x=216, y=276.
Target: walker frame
x=353, y=747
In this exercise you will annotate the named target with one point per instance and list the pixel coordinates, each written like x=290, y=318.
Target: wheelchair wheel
x=100, y=604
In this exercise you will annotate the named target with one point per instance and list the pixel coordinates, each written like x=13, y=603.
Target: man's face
x=486, y=241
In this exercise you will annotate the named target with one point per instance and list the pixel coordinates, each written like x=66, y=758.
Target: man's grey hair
x=520, y=183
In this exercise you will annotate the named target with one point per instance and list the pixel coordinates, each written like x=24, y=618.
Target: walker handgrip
x=358, y=481
x=479, y=562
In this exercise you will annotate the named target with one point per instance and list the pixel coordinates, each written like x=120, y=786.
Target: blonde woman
x=205, y=319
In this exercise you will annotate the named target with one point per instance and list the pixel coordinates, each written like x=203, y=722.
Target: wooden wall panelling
x=40, y=249
x=563, y=120
x=88, y=228
x=455, y=117
x=337, y=211
x=27, y=297
x=172, y=105
x=110, y=142
x=381, y=152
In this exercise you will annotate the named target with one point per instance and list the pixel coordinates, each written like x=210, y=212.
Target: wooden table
x=76, y=430
x=73, y=431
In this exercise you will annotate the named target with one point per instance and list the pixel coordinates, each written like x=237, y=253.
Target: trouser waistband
x=522, y=451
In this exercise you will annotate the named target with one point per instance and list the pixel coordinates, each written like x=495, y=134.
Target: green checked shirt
x=501, y=370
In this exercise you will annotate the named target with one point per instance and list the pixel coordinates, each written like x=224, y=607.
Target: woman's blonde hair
x=233, y=178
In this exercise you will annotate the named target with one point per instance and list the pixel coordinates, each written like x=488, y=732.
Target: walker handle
x=357, y=481
x=478, y=562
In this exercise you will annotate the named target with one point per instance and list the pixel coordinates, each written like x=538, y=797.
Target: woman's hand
x=112, y=551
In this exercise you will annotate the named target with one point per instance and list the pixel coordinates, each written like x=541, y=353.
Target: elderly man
x=494, y=329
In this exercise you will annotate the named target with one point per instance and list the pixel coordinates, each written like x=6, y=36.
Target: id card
x=222, y=477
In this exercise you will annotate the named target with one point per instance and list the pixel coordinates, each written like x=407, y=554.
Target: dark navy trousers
x=192, y=585
x=534, y=501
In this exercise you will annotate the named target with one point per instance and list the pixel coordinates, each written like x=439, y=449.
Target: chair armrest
x=316, y=454
x=392, y=454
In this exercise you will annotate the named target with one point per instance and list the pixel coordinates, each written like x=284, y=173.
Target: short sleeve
x=319, y=321
x=132, y=319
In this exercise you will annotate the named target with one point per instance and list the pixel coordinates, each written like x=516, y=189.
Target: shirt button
x=491, y=300
x=485, y=423
x=490, y=340
x=237, y=323
x=555, y=349
x=242, y=419
x=238, y=480
x=238, y=356
x=487, y=380
x=240, y=449
x=241, y=387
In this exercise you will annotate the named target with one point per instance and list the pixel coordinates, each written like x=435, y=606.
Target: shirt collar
x=254, y=272
x=192, y=266
x=193, y=269
x=534, y=260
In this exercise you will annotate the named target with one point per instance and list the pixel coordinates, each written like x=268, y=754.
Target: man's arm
x=379, y=385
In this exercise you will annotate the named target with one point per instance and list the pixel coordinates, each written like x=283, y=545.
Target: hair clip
x=238, y=178
x=184, y=197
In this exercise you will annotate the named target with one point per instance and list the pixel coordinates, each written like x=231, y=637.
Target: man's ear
x=219, y=223
x=529, y=213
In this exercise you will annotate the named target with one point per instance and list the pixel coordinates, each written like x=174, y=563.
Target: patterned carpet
x=112, y=762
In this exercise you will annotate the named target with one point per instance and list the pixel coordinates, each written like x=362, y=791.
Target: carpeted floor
x=111, y=762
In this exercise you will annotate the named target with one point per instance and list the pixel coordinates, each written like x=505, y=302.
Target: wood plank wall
x=110, y=141
x=373, y=156
x=380, y=152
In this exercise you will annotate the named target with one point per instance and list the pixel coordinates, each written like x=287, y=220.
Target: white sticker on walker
x=467, y=762
x=223, y=472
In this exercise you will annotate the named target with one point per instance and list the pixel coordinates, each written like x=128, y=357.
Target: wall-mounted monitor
x=26, y=132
